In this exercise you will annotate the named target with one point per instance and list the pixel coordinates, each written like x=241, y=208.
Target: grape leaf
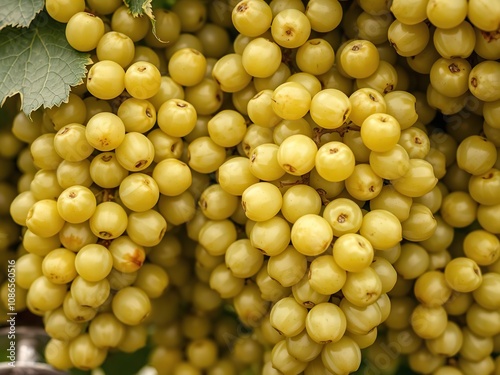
x=140, y=7
x=39, y=64
x=19, y=13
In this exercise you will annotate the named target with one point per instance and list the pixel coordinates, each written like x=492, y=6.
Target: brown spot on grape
x=473, y=82
x=136, y=257
x=253, y=157
x=148, y=113
x=289, y=168
x=371, y=189
x=333, y=150
x=72, y=194
x=106, y=158
x=64, y=131
x=315, y=42
x=181, y=105
x=203, y=203
x=372, y=97
x=454, y=68
x=242, y=7
x=140, y=163
x=388, y=88
x=356, y=47
x=309, y=304
x=488, y=176
x=342, y=218
x=418, y=141
x=105, y=234
x=141, y=68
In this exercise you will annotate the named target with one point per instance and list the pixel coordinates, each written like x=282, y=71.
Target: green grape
x=288, y=267
x=43, y=218
x=486, y=44
x=296, y=154
x=106, y=79
x=481, y=321
x=291, y=100
x=251, y=17
x=63, y=10
x=334, y=161
x=123, y=21
x=142, y=80
x=363, y=184
x=261, y=57
x=463, y=274
x=84, y=30
x=409, y=12
x=217, y=235
x=484, y=15
x=381, y=228
x=475, y=347
x=117, y=47
x=93, y=262
x=330, y=108
x=288, y=317
x=227, y=128
x=443, y=41
x=283, y=361
x=43, y=185
x=384, y=80
x=324, y=16
x=73, y=111
x=58, y=266
x=44, y=155
x=325, y=323
x=352, y=252
x=172, y=168
x=76, y=204
x=290, y=28
x=374, y=28
x=271, y=236
x=300, y=200
x=365, y=102
x=316, y=56
x=311, y=234
x=484, y=81
x=261, y=201
x=359, y=58
x=446, y=15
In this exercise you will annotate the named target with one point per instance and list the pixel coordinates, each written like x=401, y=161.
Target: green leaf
x=39, y=64
x=140, y=7
x=19, y=13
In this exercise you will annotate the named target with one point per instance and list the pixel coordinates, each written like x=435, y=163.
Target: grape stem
x=318, y=132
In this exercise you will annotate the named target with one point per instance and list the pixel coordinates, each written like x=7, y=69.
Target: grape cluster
x=279, y=187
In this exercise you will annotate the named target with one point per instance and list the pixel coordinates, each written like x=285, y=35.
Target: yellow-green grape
x=422, y=62
x=412, y=262
x=58, y=266
x=284, y=362
x=325, y=275
x=486, y=294
x=56, y=353
x=381, y=228
x=409, y=12
x=251, y=17
x=417, y=181
x=311, y=234
x=374, y=29
x=73, y=111
x=431, y=289
x=288, y=317
x=227, y=128
x=486, y=365
x=476, y=155
x=73, y=173
x=344, y=216
x=205, y=156
x=487, y=218
x=123, y=21
x=106, y=171
x=391, y=164
x=44, y=155
x=408, y=40
x=330, y=108
x=362, y=288
x=442, y=237
x=316, y=56
x=306, y=295
x=335, y=161
x=230, y=74
x=43, y=295
x=458, y=209
x=261, y=201
x=291, y=100
x=303, y=347
x=139, y=192
x=290, y=28
x=450, y=77
x=288, y=267
x=482, y=187
x=109, y=220
x=260, y=109
x=106, y=80
x=131, y=305
x=380, y=132
x=43, y=185
x=169, y=170
x=84, y=30
x=63, y=10
x=216, y=203
x=484, y=15
x=384, y=80
x=105, y=131
x=352, y=252
x=443, y=41
x=28, y=269
x=169, y=89
x=242, y=259
x=482, y=247
x=76, y=204
x=117, y=47
x=271, y=291
x=463, y=274
x=366, y=102
x=322, y=329
x=486, y=44
x=386, y=272
x=296, y=154
x=324, y=15
x=187, y=66
x=446, y=15
x=420, y=224
x=359, y=58
x=341, y=357
x=481, y=321
x=255, y=135
x=43, y=218
x=142, y=80
x=138, y=115
x=309, y=81
x=127, y=255
x=429, y=322
x=475, y=347
x=361, y=320
x=261, y=57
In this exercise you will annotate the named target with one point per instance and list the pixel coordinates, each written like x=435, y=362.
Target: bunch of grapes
x=267, y=187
